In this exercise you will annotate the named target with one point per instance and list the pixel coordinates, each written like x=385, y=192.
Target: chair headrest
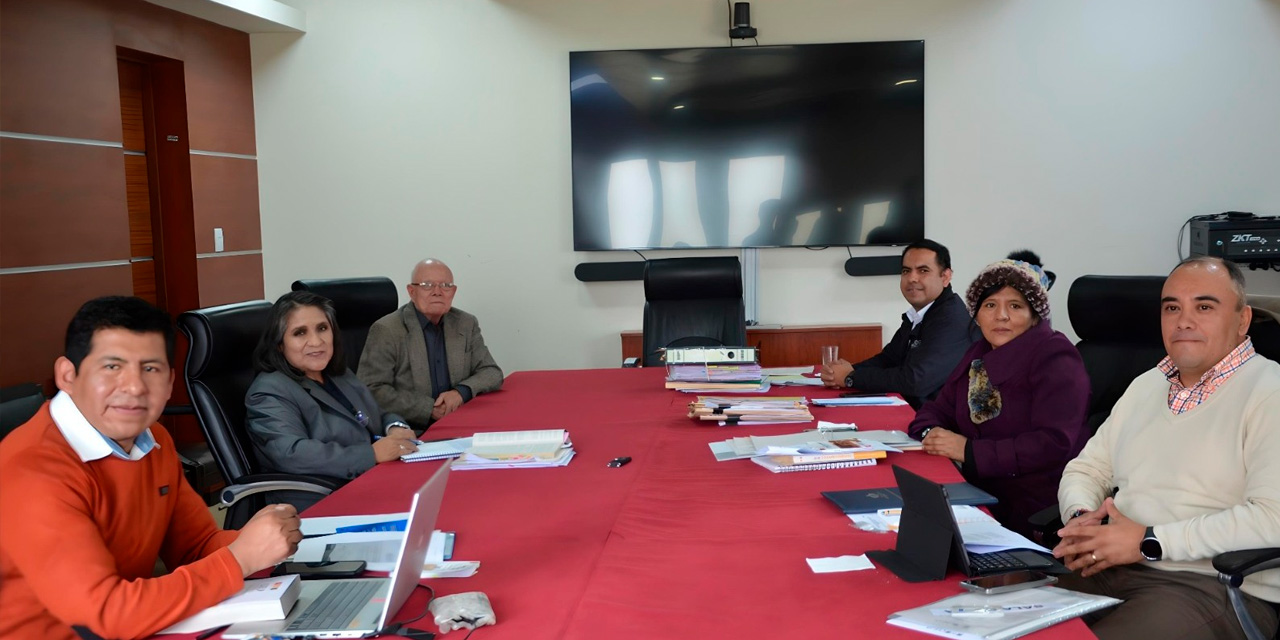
x=223, y=337
x=358, y=301
x=1116, y=308
x=692, y=278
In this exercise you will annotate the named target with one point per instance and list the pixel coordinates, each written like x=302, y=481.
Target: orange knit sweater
x=79, y=540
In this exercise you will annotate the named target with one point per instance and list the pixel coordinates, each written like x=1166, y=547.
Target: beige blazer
x=394, y=362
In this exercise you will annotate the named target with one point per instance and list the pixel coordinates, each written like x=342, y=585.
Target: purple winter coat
x=1018, y=456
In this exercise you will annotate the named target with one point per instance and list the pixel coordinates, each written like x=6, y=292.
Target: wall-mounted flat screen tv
x=773, y=146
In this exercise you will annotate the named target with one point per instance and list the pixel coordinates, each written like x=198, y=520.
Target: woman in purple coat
x=1012, y=413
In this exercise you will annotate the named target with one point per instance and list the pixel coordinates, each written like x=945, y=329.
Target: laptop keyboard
x=1000, y=561
x=336, y=606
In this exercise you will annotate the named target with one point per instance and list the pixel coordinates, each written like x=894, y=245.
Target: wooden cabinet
x=794, y=346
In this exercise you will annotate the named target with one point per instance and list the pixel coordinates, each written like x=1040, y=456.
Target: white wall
x=1086, y=130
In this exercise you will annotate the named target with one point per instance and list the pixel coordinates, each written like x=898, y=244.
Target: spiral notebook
x=438, y=450
x=765, y=462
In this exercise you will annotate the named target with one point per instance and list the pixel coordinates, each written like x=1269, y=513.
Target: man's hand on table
x=269, y=537
x=834, y=373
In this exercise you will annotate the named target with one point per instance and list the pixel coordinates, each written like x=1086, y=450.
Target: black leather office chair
x=1233, y=566
x=19, y=404
x=360, y=302
x=1117, y=319
x=218, y=374
x=692, y=302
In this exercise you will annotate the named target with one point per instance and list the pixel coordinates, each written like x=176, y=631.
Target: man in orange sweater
x=92, y=493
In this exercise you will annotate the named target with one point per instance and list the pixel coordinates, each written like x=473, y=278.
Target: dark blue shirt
x=437, y=360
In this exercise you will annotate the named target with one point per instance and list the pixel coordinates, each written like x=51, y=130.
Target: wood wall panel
x=793, y=346
x=224, y=193
x=219, y=89
x=218, y=71
x=56, y=80
x=61, y=203
x=37, y=308
x=60, y=77
x=227, y=279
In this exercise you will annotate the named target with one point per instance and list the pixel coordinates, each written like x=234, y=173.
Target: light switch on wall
x=217, y=239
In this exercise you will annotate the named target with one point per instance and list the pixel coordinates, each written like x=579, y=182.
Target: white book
x=260, y=599
x=505, y=445
x=1004, y=616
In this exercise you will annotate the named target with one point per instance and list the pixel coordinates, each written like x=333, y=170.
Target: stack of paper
x=973, y=616
x=795, y=380
x=886, y=520
x=806, y=451
x=380, y=550
x=729, y=411
x=517, y=450
x=261, y=599
x=716, y=377
x=811, y=445
x=860, y=401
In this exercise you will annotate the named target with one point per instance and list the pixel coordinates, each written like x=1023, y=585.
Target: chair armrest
x=259, y=483
x=1233, y=566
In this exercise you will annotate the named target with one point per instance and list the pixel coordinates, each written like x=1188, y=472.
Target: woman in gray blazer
x=307, y=413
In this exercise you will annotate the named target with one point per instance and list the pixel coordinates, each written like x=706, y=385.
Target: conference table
x=672, y=545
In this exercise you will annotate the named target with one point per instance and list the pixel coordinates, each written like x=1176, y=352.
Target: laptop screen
x=417, y=537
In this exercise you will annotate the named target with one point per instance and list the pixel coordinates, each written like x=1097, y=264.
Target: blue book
x=873, y=500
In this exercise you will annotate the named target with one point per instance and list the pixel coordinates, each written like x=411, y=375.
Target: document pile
x=793, y=376
x=860, y=401
x=376, y=539
x=729, y=411
x=261, y=599
x=517, y=450
x=886, y=520
x=973, y=616
x=806, y=451
x=739, y=378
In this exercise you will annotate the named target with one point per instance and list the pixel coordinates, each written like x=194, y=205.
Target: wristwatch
x=1150, y=546
x=848, y=380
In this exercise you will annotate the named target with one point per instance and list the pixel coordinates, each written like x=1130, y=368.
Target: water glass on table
x=830, y=353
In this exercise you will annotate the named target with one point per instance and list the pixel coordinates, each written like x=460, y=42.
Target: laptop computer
x=929, y=539
x=873, y=500
x=358, y=607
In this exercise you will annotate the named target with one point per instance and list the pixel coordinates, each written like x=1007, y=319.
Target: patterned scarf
x=984, y=399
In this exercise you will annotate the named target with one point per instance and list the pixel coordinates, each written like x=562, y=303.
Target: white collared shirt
x=916, y=317
x=88, y=442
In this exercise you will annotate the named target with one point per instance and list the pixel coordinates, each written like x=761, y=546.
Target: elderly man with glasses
x=427, y=358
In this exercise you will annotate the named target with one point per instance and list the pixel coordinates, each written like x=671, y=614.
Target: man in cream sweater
x=1193, y=450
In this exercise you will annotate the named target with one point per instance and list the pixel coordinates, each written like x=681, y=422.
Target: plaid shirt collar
x=1183, y=399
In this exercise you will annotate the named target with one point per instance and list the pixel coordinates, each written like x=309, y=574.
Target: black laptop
x=929, y=539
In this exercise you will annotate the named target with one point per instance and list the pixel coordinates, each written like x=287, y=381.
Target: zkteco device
x=1239, y=238
x=710, y=355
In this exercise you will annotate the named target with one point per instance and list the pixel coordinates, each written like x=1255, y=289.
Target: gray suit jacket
x=394, y=362
x=300, y=428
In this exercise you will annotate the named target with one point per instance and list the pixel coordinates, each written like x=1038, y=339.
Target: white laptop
x=358, y=607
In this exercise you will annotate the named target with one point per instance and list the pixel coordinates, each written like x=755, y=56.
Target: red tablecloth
x=673, y=545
